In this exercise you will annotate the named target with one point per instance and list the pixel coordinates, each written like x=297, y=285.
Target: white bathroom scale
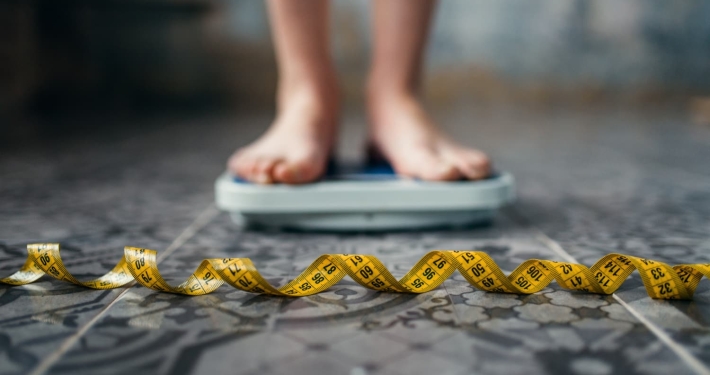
x=369, y=198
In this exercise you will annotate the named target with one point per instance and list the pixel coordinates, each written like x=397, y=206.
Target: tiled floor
x=590, y=182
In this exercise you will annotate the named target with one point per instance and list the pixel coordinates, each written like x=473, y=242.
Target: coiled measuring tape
x=606, y=276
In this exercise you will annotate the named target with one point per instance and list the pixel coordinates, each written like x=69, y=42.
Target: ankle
x=394, y=113
x=391, y=84
x=383, y=101
x=322, y=91
x=313, y=107
x=307, y=110
x=383, y=95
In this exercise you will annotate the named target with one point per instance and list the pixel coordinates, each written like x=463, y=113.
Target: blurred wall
x=143, y=54
x=551, y=50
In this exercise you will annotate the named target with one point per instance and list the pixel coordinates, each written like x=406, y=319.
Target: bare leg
x=400, y=129
x=296, y=146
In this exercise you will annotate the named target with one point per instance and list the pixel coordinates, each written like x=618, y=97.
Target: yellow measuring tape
x=606, y=276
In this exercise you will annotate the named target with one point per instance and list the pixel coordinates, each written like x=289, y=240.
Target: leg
x=296, y=146
x=400, y=129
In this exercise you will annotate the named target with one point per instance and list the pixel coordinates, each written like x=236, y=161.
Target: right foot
x=402, y=132
x=296, y=147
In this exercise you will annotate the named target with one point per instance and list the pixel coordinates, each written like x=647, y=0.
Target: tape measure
x=606, y=276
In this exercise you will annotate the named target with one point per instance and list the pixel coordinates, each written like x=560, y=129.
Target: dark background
x=132, y=57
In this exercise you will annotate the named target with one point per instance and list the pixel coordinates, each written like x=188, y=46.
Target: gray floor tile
x=590, y=183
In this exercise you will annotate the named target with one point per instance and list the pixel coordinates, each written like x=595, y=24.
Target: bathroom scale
x=364, y=198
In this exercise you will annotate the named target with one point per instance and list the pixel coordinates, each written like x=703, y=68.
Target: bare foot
x=295, y=148
x=404, y=134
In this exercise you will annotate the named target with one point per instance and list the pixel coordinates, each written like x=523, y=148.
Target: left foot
x=404, y=134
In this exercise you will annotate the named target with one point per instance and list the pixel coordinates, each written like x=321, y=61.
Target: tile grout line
x=453, y=305
x=206, y=216
x=696, y=365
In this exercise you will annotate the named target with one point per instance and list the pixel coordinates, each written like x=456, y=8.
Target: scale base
x=365, y=221
x=369, y=198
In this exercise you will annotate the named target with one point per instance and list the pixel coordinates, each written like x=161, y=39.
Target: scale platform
x=367, y=198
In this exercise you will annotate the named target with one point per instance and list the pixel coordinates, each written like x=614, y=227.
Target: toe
x=233, y=163
x=470, y=171
x=299, y=171
x=306, y=169
x=290, y=172
x=442, y=171
x=240, y=164
x=427, y=165
x=472, y=164
x=263, y=170
x=283, y=173
x=480, y=161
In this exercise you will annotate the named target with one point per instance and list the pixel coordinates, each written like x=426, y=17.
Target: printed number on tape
x=606, y=276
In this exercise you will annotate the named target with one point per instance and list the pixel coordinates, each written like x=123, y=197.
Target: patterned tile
x=591, y=182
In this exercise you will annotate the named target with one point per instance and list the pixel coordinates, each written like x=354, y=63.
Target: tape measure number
x=604, y=277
